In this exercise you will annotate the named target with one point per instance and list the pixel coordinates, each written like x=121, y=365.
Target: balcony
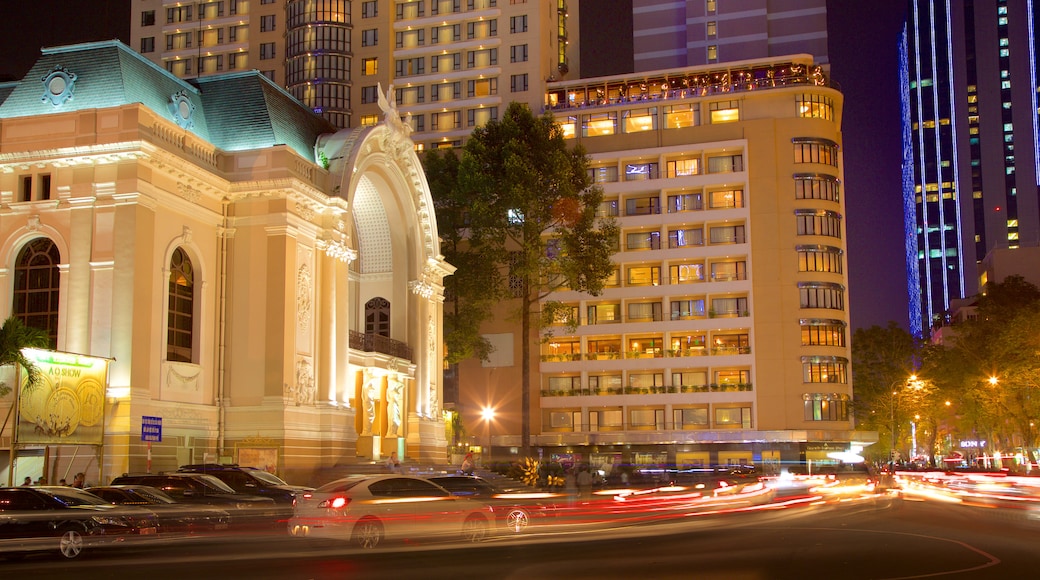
x=660, y=390
x=367, y=342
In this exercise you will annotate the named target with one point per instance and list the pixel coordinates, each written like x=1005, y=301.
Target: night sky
x=863, y=37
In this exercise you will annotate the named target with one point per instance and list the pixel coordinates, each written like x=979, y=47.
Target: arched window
x=377, y=317
x=36, y=287
x=181, y=321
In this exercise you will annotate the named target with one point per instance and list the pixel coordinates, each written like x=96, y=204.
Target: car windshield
x=74, y=497
x=152, y=495
x=265, y=477
x=213, y=482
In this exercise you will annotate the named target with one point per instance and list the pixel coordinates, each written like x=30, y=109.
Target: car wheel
x=517, y=520
x=474, y=529
x=368, y=533
x=71, y=543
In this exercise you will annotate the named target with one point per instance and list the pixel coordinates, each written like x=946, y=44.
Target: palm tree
x=14, y=336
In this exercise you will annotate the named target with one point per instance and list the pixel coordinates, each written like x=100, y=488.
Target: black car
x=201, y=488
x=250, y=480
x=65, y=520
x=515, y=506
x=172, y=516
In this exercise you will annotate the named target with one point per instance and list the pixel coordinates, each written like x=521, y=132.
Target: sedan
x=172, y=516
x=66, y=520
x=368, y=509
x=515, y=507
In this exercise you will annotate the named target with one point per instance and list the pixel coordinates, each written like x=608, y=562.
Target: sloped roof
x=236, y=111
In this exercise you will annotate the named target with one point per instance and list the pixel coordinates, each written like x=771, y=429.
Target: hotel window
x=603, y=314
x=599, y=124
x=736, y=417
x=178, y=41
x=369, y=66
x=518, y=53
x=809, y=150
x=822, y=332
x=643, y=241
x=446, y=34
x=687, y=309
x=816, y=186
x=178, y=14
x=446, y=62
x=824, y=369
x=726, y=235
x=729, y=306
x=644, y=276
x=237, y=60
x=725, y=199
x=267, y=50
x=826, y=407
x=482, y=29
x=37, y=284
x=724, y=111
x=369, y=120
x=267, y=23
x=732, y=376
x=603, y=174
x=411, y=38
x=211, y=37
x=569, y=125
x=817, y=258
x=148, y=44
x=690, y=342
x=644, y=311
x=418, y=124
x=482, y=88
x=518, y=84
x=518, y=24
x=639, y=120
x=818, y=222
x=684, y=202
x=815, y=107
x=446, y=121
x=179, y=67
x=711, y=28
x=480, y=117
x=564, y=384
x=685, y=273
x=684, y=167
x=148, y=18
x=726, y=271
x=641, y=418
x=410, y=95
x=678, y=116
x=370, y=37
x=410, y=10
x=641, y=171
x=821, y=295
x=685, y=238
x=696, y=418
x=713, y=53
x=710, y=7
x=482, y=58
x=238, y=33
x=646, y=205
x=446, y=91
x=607, y=208
x=726, y=164
x=211, y=64
x=369, y=9
x=181, y=310
x=599, y=383
x=369, y=94
x=410, y=66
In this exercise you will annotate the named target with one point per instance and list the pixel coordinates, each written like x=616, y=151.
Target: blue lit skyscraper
x=970, y=162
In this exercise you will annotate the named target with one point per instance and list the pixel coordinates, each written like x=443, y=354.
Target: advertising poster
x=68, y=406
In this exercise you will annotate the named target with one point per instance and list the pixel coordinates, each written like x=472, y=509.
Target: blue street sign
x=151, y=429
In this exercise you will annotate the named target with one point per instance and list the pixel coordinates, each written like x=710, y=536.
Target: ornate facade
x=268, y=286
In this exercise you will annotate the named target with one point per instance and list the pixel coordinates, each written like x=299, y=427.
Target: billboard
x=68, y=406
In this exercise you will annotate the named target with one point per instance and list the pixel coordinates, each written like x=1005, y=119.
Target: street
x=878, y=537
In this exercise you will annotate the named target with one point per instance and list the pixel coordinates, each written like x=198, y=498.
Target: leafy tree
x=883, y=360
x=531, y=210
x=14, y=336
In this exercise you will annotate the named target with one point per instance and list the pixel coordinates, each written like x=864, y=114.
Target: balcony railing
x=369, y=342
x=607, y=391
x=667, y=353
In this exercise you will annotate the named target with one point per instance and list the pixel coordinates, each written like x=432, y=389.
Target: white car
x=368, y=509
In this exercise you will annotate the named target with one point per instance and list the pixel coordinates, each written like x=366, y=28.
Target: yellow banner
x=68, y=406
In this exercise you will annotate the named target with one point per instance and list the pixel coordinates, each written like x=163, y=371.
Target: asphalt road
x=885, y=537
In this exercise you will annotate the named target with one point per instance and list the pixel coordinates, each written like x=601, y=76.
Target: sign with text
x=68, y=405
x=151, y=429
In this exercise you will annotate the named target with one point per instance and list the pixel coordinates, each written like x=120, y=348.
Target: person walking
x=393, y=465
x=79, y=480
x=467, y=464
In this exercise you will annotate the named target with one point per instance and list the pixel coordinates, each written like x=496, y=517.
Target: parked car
x=66, y=520
x=515, y=507
x=200, y=488
x=252, y=481
x=368, y=509
x=172, y=516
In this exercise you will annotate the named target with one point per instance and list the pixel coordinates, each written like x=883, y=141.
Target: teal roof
x=236, y=111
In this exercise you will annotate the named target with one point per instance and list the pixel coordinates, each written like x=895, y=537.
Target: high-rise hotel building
x=723, y=336
x=453, y=63
x=971, y=160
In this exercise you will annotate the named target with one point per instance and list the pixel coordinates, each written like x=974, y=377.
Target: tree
x=883, y=359
x=14, y=336
x=531, y=210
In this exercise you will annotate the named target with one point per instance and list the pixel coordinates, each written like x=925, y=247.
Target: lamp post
x=488, y=414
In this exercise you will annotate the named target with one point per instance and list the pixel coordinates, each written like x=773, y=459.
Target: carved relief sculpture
x=394, y=407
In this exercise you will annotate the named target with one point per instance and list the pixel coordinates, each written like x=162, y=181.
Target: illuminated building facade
x=723, y=337
x=265, y=284
x=970, y=142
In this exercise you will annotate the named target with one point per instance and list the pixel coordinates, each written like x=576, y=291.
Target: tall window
x=181, y=315
x=36, y=287
x=377, y=317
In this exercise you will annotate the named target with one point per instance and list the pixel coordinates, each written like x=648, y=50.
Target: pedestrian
x=78, y=480
x=392, y=463
x=27, y=482
x=41, y=481
x=467, y=464
x=62, y=481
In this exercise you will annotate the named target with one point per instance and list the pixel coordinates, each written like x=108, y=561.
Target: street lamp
x=488, y=414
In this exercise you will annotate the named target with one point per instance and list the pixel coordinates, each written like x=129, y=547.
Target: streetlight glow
x=487, y=413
